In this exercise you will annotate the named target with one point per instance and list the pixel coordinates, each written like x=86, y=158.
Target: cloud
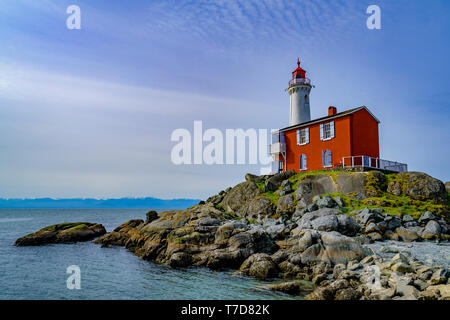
x=239, y=21
x=75, y=136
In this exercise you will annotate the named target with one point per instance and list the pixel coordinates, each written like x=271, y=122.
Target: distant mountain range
x=79, y=203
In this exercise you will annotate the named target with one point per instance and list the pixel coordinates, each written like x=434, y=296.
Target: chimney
x=332, y=110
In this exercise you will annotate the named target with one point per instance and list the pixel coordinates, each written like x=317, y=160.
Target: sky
x=90, y=112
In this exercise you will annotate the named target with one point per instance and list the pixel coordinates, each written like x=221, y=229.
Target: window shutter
x=328, y=158
x=323, y=158
x=298, y=137
x=332, y=129
x=307, y=135
x=321, y=132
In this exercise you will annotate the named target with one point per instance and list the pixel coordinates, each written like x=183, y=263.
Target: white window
x=326, y=158
x=327, y=131
x=303, y=162
x=302, y=136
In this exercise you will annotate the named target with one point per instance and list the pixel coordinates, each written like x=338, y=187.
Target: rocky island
x=62, y=233
x=313, y=230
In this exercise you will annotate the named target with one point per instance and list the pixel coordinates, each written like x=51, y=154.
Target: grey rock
x=371, y=227
x=410, y=224
x=347, y=225
x=432, y=230
x=306, y=221
x=418, y=186
x=276, y=231
x=340, y=248
x=352, y=183
x=404, y=290
x=275, y=181
x=402, y=267
x=325, y=223
x=259, y=265
x=393, y=223
x=279, y=256
x=285, y=204
x=180, y=260
x=325, y=202
x=408, y=218
x=390, y=235
x=239, y=195
x=313, y=185
x=308, y=238
x=256, y=208
x=427, y=216
x=408, y=234
x=439, y=277
x=339, y=201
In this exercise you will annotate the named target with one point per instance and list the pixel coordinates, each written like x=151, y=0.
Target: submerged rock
x=292, y=287
x=62, y=233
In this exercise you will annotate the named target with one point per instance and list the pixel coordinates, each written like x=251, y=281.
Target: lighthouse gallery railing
x=299, y=81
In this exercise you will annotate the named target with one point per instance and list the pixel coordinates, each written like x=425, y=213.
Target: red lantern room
x=299, y=72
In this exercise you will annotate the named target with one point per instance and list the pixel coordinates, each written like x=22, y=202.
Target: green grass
x=80, y=226
x=273, y=197
x=394, y=205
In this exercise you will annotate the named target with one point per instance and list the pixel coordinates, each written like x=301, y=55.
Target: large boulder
x=306, y=221
x=239, y=195
x=286, y=204
x=325, y=223
x=260, y=266
x=256, y=208
x=333, y=248
x=314, y=185
x=432, y=230
x=427, y=216
x=62, y=233
x=418, y=186
x=341, y=249
x=352, y=183
x=409, y=234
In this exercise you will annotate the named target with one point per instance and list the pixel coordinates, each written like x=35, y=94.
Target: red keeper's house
x=347, y=139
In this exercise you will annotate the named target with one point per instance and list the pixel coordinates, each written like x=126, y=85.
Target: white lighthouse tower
x=299, y=89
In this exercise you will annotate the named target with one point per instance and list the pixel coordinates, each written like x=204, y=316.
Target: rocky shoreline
x=313, y=231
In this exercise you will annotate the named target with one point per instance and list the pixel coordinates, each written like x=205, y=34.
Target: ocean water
x=106, y=273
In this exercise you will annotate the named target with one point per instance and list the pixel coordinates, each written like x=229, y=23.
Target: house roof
x=334, y=116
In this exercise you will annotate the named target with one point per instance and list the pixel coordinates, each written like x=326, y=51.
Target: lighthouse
x=299, y=89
